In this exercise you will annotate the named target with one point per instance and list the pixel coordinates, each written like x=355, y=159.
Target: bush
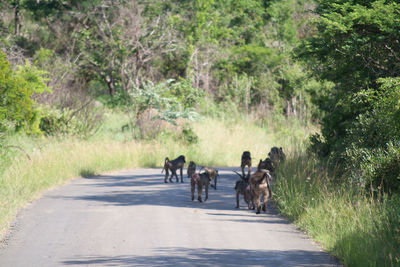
x=189, y=136
x=82, y=122
x=370, y=150
x=16, y=90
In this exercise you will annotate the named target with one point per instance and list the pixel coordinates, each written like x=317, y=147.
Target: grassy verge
x=359, y=230
x=53, y=160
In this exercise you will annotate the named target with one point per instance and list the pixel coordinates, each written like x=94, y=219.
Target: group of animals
x=252, y=186
x=201, y=179
x=258, y=185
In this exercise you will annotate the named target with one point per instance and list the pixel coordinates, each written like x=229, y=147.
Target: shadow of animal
x=173, y=166
x=246, y=161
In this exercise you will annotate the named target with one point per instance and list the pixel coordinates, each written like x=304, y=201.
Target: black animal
x=201, y=180
x=242, y=187
x=277, y=155
x=173, y=165
x=246, y=161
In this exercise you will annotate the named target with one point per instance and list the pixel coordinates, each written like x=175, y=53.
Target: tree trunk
x=17, y=19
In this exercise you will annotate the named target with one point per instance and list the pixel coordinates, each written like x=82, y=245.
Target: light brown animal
x=213, y=174
x=191, y=169
x=246, y=161
x=260, y=186
x=201, y=180
x=267, y=164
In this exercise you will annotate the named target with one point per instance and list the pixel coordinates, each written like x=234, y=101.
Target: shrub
x=82, y=122
x=370, y=150
x=189, y=136
x=16, y=91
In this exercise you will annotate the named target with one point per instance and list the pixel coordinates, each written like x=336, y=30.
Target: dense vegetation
x=67, y=67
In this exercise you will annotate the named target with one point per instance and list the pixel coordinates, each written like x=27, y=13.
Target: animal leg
x=256, y=200
x=181, y=176
x=199, y=191
x=166, y=176
x=249, y=170
x=192, y=188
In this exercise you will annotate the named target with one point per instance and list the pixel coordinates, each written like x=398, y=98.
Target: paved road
x=132, y=218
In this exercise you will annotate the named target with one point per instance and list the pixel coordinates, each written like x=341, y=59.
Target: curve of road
x=132, y=218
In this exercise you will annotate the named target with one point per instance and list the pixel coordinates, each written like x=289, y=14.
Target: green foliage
x=371, y=146
x=189, y=136
x=184, y=93
x=16, y=92
x=354, y=47
x=151, y=96
x=341, y=218
x=79, y=122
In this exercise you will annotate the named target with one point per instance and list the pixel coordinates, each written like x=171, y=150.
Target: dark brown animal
x=173, y=166
x=242, y=188
x=260, y=187
x=267, y=164
x=201, y=180
x=213, y=174
x=246, y=161
x=191, y=169
x=277, y=155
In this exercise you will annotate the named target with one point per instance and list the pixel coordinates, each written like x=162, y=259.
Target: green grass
x=359, y=230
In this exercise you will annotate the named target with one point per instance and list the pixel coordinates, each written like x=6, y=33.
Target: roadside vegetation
x=95, y=86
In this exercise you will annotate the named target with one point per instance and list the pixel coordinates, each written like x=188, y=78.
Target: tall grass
x=52, y=161
x=360, y=230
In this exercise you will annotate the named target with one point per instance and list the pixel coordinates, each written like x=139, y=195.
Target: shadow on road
x=150, y=189
x=210, y=257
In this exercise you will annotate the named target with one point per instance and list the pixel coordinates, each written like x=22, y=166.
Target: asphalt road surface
x=132, y=218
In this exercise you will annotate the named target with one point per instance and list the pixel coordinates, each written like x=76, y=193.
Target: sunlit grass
x=360, y=230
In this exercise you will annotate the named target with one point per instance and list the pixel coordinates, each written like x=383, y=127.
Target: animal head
x=211, y=172
x=277, y=154
x=182, y=157
x=192, y=165
x=267, y=164
x=246, y=155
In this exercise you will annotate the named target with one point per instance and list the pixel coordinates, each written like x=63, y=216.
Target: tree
x=356, y=43
x=120, y=44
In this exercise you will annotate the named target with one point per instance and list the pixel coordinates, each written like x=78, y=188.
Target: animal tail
x=165, y=163
x=241, y=176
